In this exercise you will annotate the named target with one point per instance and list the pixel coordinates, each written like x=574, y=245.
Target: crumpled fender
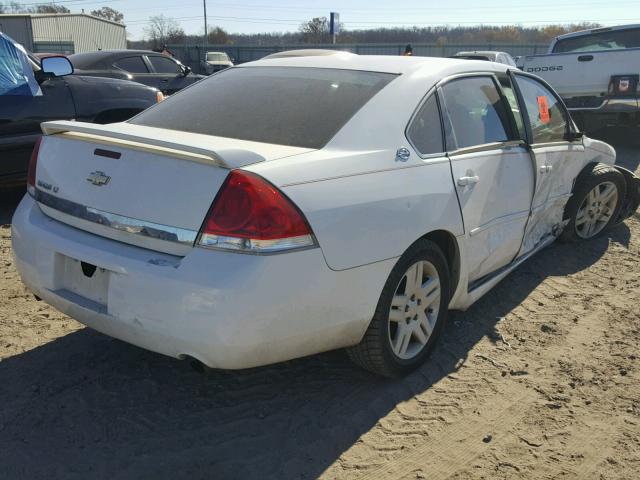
x=632, y=198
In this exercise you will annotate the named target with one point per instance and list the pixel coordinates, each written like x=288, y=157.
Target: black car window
x=164, y=65
x=425, y=131
x=510, y=95
x=476, y=112
x=302, y=107
x=548, y=119
x=132, y=65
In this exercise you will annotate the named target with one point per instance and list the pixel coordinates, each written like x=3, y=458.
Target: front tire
x=595, y=205
x=410, y=313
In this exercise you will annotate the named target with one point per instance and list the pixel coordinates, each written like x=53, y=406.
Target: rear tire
x=595, y=205
x=410, y=313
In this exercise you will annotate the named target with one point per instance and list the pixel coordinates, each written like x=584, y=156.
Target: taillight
x=251, y=215
x=33, y=164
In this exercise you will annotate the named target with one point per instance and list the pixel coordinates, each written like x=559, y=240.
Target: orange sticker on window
x=543, y=109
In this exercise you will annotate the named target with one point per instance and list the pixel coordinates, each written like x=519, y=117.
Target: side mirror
x=56, y=66
x=186, y=70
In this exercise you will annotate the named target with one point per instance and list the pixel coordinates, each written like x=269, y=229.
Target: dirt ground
x=538, y=380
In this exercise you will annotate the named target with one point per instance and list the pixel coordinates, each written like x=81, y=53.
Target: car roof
x=431, y=66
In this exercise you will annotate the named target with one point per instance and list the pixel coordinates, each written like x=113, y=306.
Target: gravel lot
x=538, y=380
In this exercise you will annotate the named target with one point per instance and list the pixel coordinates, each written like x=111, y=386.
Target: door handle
x=585, y=58
x=546, y=168
x=469, y=179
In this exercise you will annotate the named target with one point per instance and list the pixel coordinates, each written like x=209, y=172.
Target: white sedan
x=295, y=205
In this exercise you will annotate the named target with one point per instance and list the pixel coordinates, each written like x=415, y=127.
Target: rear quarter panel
x=376, y=214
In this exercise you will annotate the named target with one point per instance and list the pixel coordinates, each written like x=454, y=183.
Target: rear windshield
x=612, y=40
x=302, y=107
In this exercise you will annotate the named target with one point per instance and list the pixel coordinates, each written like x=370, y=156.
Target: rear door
x=170, y=74
x=139, y=69
x=492, y=171
x=558, y=160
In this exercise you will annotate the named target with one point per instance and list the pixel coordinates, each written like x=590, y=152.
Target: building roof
x=59, y=15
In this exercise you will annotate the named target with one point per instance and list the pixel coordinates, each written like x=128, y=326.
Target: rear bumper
x=228, y=310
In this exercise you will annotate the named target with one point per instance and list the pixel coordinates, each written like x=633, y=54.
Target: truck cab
x=596, y=72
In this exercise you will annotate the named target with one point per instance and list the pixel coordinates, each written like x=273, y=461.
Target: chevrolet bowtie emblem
x=98, y=178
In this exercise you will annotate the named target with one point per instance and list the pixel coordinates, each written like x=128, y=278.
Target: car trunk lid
x=140, y=185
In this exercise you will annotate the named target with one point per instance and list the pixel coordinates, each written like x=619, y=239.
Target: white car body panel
x=365, y=205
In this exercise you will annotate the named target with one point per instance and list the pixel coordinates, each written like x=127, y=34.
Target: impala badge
x=98, y=178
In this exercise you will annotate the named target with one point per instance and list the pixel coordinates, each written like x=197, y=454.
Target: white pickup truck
x=596, y=74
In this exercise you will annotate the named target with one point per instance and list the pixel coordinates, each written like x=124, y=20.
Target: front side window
x=425, y=131
x=548, y=119
x=132, y=65
x=301, y=107
x=475, y=111
x=611, y=40
x=164, y=65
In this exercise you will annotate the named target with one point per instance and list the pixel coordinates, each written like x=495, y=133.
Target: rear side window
x=132, y=65
x=476, y=112
x=611, y=40
x=425, y=131
x=164, y=65
x=547, y=117
x=302, y=107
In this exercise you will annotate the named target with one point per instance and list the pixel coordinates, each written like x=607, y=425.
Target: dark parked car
x=151, y=68
x=34, y=90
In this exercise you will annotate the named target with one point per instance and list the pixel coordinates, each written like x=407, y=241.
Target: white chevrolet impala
x=295, y=205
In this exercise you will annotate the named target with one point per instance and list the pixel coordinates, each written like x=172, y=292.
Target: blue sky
x=286, y=15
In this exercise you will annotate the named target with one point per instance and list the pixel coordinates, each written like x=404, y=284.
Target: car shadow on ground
x=87, y=406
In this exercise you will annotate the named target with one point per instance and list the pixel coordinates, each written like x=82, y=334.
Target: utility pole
x=206, y=34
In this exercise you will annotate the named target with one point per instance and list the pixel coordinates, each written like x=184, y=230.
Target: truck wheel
x=410, y=314
x=595, y=205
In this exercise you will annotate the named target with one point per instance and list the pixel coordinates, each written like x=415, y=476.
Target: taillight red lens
x=251, y=214
x=33, y=164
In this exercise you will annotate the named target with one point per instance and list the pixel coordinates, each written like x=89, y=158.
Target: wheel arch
x=451, y=250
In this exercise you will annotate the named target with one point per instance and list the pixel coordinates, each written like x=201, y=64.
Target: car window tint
x=164, y=65
x=132, y=65
x=510, y=95
x=303, y=107
x=545, y=113
x=611, y=40
x=476, y=112
x=425, y=131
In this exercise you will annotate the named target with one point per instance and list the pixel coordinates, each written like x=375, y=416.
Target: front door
x=492, y=171
x=558, y=160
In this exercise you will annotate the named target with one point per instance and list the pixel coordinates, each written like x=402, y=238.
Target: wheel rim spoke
x=596, y=210
x=430, y=291
x=414, y=310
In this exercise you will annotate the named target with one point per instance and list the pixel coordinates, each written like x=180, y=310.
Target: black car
x=33, y=91
x=151, y=68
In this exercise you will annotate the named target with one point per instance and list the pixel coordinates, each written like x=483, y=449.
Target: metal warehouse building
x=63, y=33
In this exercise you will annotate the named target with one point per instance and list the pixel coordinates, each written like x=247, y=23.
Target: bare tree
x=53, y=8
x=315, y=30
x=162, y=30
x=109, y=14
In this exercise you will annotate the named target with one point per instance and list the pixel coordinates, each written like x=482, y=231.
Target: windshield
x=612, y=40
x=302, y=107
x=217, y=57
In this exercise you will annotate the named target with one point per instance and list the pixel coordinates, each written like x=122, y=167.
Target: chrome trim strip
x=121, y=223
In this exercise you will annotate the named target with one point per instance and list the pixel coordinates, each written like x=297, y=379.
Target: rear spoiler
x=98, y=134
